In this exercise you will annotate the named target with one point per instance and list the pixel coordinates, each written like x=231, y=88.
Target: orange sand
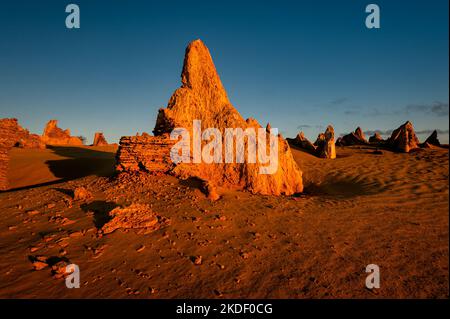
x=361, y=208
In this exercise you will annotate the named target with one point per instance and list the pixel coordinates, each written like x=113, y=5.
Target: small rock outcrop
x=99, y=139
x=376, y=138
x=325, y=145
x=81, y=193
x=202, y=97
x=432, y=140
x=354, y=138
x=139, y=217
x=302, y=142
x=403, y=139
x=53, y=135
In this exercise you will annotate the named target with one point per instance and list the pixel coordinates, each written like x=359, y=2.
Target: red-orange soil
x=358, y=209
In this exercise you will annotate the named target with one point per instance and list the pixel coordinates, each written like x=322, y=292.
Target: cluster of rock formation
x=53, y=135
x=323, y=147
x=403, y=139
x=203, y=97
x=99, y=139
x=12, y=134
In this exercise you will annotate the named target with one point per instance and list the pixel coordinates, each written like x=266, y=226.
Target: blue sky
x=299, y=65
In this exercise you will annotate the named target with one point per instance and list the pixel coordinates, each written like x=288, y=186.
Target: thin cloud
x=431, y=131
x=307, y=126
x=436, y=108
x=338, y=101
x=381, y=132
x=440, y=109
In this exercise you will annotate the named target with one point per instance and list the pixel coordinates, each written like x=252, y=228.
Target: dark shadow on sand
x=80, y=162
x=101, y=210
x=343, y=188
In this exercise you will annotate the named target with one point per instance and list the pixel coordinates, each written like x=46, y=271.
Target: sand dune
x=361, y=208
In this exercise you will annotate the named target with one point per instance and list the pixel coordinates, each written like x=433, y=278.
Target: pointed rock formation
x=432, y=140
x=302, y=142
x=360, y=134
x=403, y=139
x=354, y=138
x=53, y=135
x=376, y=138
x=99, y=139
x=325, y=144
x=203, y=97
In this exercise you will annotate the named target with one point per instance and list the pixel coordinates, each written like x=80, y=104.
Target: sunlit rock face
x=325, y=145
x=53, y=135
x=99, y=139
x=202, y=97
x=403, y=139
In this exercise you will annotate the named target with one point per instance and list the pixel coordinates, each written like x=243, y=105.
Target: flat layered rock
x=139, y=217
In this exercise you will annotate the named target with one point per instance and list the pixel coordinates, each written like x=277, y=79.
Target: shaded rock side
x=53, y=135
x=302, y=142
x=403, y=139
x=354, y=138
x=325, y=145
x=203, y=97
x=99, y=139
x=432, y=140
x=376, y=138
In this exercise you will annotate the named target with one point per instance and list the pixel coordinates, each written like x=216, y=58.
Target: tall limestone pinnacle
x=203, y=97
x=200, y=97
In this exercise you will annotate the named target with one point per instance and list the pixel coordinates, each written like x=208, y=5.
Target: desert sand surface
x=358, y=209
x=32, y=167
